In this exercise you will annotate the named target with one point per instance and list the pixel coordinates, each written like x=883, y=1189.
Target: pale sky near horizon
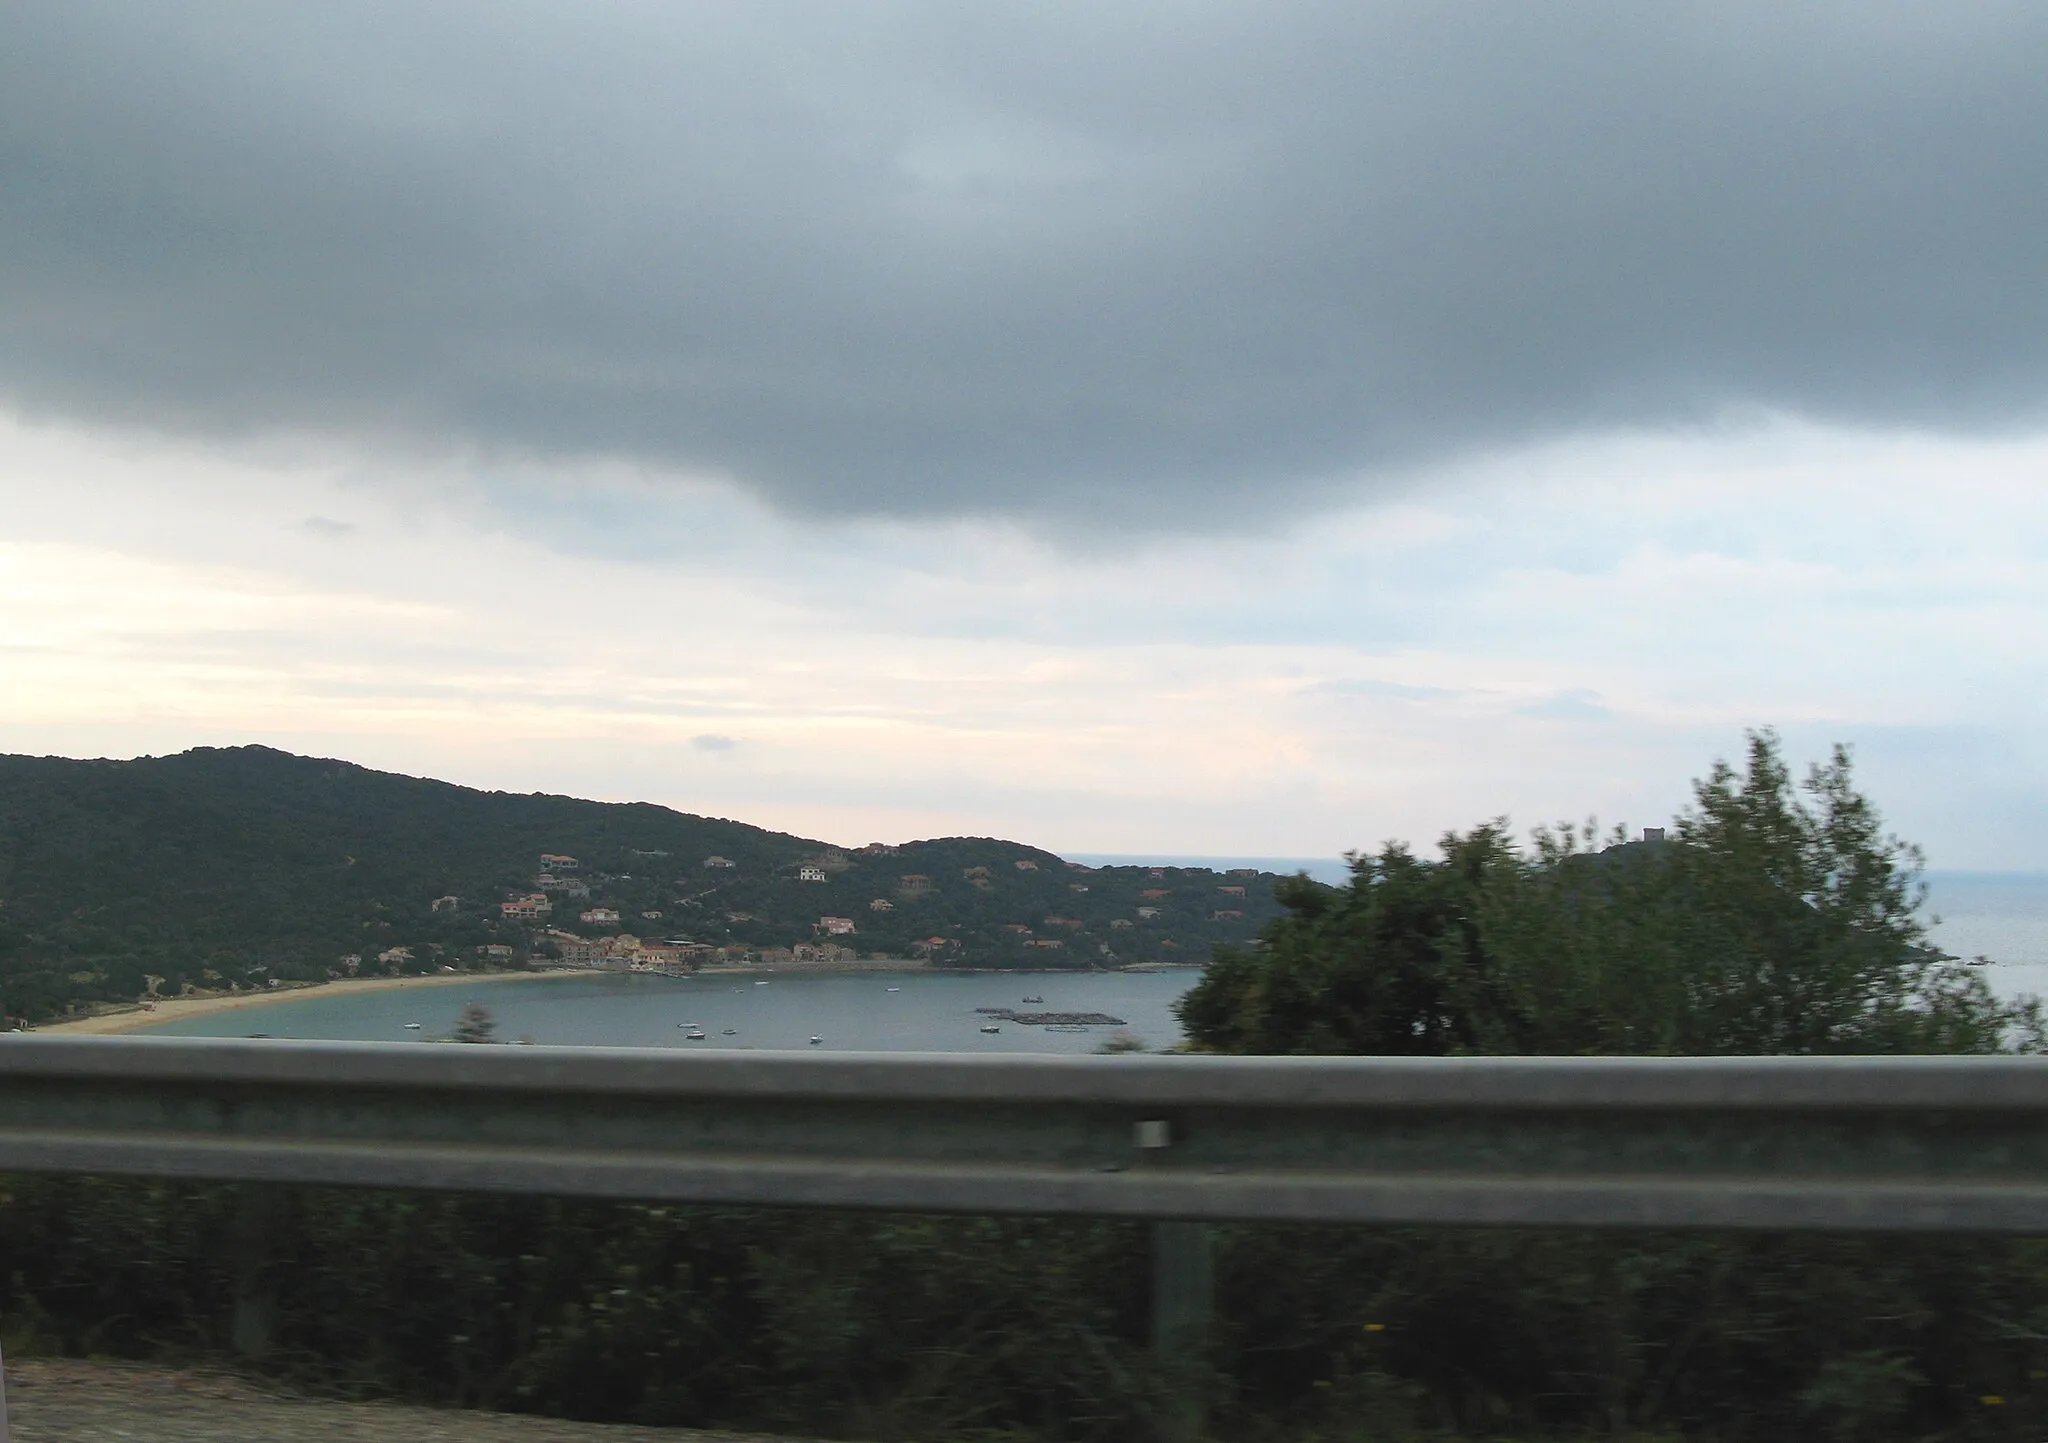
x=1173, y=429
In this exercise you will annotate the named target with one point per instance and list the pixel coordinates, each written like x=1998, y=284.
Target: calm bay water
x=2000, y=915
x=851, y=1011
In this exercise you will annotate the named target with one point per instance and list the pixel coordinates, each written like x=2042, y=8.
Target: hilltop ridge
x=229, y=868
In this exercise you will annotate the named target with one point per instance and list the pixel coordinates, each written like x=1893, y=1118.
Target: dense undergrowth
x=884, y=1327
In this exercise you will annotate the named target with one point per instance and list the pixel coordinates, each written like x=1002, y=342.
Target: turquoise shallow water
x=851, y=1011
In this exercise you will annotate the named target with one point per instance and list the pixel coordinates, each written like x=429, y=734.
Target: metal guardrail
x=1955, y=1143
x=1943, y=1144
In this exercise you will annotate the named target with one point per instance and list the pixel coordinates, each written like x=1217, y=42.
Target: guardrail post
x=257, y=1210
x=1183, y=1293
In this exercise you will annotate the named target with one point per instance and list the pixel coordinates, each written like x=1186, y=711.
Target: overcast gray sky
x=1202, y=427
x=1084, y=262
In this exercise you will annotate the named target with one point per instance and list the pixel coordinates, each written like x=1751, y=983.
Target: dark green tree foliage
x=806, y=1323
x=1379, y=967
x=1777, y=919
x=947, y=1329
x=476, y=1024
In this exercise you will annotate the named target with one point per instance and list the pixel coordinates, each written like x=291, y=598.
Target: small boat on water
x=695, y=1034
x=686, y=1026
x=730, y=1032
x=412, y=1027
x=816, y=1039
x=761, y=982
x=1034, y=999
x=895, y=989
x=991, y=1028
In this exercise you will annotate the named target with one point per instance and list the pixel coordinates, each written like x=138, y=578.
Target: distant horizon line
x=1335, y=866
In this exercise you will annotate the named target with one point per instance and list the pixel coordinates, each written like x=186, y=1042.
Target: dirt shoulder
x=66, y=1401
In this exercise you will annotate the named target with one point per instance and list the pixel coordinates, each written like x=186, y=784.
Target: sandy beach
x=131, y=1019
x=134, y=1019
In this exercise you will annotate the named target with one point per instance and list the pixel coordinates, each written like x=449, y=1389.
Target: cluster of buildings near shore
x=626, y=953
x=559, y=886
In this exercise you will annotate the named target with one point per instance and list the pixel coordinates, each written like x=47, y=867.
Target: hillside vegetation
x=228, y=868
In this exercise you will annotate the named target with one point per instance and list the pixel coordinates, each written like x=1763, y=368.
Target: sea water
x=852, y=1010
x=1999, y=915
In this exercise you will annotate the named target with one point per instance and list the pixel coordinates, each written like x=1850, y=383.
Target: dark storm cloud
x=1082, y=261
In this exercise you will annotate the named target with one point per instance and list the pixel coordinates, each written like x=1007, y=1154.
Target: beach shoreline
x=134, y=1018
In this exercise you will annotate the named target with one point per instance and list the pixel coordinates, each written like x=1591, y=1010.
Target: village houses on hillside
x=627, y=953
x=564, y=876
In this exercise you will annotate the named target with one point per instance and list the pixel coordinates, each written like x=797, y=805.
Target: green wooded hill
x=231, y=866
